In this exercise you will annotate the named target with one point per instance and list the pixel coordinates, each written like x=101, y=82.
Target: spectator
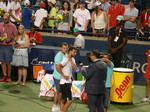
x=110, y=66
x=90, y=5
x=117, y=39
x=95, y=82
x=105, y=5
x=144, y=22
x=40, y=16
x=7, y=30
x=76, y=5
x=65, y=69
x=34, y=36
x=82, y=17
x=130, y=17
x=79, y=40
x=114, y=10
x=20, y=56
x=147, y=76
x=15, y=12
x=67, y=17
x=99, y=20
x=57, y=76
x=26, y=14
x=5, y=6
x=52, y=14
x=58, y=5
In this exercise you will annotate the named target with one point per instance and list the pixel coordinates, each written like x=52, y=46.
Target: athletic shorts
x=66, y=91
x=57, y=84
x=107, y=97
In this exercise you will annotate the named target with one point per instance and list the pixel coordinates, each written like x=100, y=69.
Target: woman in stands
x=20, y=56
x=66, y=12
x=99, y=20
x=147, y=76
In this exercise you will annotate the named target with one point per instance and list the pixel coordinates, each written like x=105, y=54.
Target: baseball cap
x=75, y=30
x=119, y=18
x=42, y=5
x=52, y=1
x=98, y=3
x=26, y=2
x=82, y=2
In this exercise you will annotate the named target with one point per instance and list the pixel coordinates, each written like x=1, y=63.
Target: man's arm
x=88, y=74
x=75, y=20
x=73, y=64
x=86, y=25
x=59, y=69
x=109, y=42
x=123, y=44
x=10, y=13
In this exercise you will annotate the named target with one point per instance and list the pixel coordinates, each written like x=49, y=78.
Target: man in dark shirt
x=117, y=39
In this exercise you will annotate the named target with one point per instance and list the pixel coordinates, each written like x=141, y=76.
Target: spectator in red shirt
x=144, y=16
x=114, y=10
x=35, y=37
x=144, y=23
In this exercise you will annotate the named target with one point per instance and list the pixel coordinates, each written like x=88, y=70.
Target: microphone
x=80, y=63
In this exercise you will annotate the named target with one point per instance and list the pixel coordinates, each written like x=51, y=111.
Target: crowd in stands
x=93, y=17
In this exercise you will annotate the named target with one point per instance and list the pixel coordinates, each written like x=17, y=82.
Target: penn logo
x=122, y=87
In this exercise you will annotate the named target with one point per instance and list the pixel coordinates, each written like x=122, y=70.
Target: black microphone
x=80, y=63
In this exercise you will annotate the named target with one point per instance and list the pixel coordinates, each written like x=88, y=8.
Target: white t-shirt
x=82, y=16
x=79, y=41
x=39, y=14
x=6, y=7
x=67, y=70
x=16, y=10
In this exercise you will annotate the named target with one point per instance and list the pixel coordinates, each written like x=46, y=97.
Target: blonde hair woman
x=20, y=56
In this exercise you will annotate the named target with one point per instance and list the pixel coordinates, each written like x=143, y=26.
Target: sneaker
x=144, y=100
x=58, y=108
x=3, y=79
x=54, y=108
x=8, y=79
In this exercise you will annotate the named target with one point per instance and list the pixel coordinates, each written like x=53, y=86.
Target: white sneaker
x=144, y=100
x=58, y=108
x=54, y=108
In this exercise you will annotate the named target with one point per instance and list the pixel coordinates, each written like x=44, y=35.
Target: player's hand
x=66, y=77
x=82, y=69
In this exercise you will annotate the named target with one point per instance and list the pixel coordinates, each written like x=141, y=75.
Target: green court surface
x=28, y=100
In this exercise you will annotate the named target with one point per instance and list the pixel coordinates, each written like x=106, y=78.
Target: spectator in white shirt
x=40, y=16
x=5, y=6
x=79, y=40
x=15, y=12
x=82, y=17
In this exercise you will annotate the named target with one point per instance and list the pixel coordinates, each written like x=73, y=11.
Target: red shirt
x=9, y=31
x=114, y=11
x=144, y=16
x=36, y=36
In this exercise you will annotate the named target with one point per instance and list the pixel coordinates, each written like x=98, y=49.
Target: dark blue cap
x=82, y=2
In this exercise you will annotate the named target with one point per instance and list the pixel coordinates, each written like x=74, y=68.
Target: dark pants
x=95, y=102
x=116, y=58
